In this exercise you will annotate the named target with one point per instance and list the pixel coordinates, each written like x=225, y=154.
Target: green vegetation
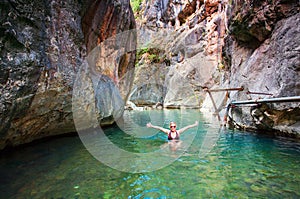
x=135, y=4
x=150, y=54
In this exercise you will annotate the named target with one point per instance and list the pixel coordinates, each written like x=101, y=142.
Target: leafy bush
x=154, y=55
x=135, y=4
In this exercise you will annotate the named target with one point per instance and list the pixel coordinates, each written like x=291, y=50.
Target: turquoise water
x=218, y=163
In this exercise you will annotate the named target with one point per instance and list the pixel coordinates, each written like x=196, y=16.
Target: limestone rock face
x=105, y=21
x=43, y=45
x=186, y=39
x=252, y=22
x=221, y=44
x=264, y=58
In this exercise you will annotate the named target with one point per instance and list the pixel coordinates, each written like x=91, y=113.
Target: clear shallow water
x=240, y=165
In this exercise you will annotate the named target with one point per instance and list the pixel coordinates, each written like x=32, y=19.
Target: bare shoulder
x=165, y=130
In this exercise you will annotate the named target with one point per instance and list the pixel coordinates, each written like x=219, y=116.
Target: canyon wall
x=185, y=38
x=44, y=44
x=250, y=46
x=184, y=48
x=262, y=55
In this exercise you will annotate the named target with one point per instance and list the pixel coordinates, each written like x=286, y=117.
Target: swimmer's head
x=172, y=125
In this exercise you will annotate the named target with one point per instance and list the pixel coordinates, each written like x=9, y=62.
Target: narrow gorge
x=217, y=52
x=149, y=99
x=182, y=49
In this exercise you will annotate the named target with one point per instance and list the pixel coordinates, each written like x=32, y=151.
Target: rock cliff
x=185, y=47
x=252, y=46
x=262, y=55
x=43, y=46
x=186, y=37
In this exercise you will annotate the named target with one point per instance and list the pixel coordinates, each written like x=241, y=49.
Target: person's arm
x=187, y=127
x=149, y=125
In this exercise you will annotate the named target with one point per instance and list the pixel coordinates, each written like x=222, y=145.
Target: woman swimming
x=172, y=133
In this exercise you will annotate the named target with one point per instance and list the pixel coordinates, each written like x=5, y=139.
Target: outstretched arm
x=149, y=125
x=187, y=127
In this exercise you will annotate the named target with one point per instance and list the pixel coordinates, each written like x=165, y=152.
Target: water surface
x=219, y=163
